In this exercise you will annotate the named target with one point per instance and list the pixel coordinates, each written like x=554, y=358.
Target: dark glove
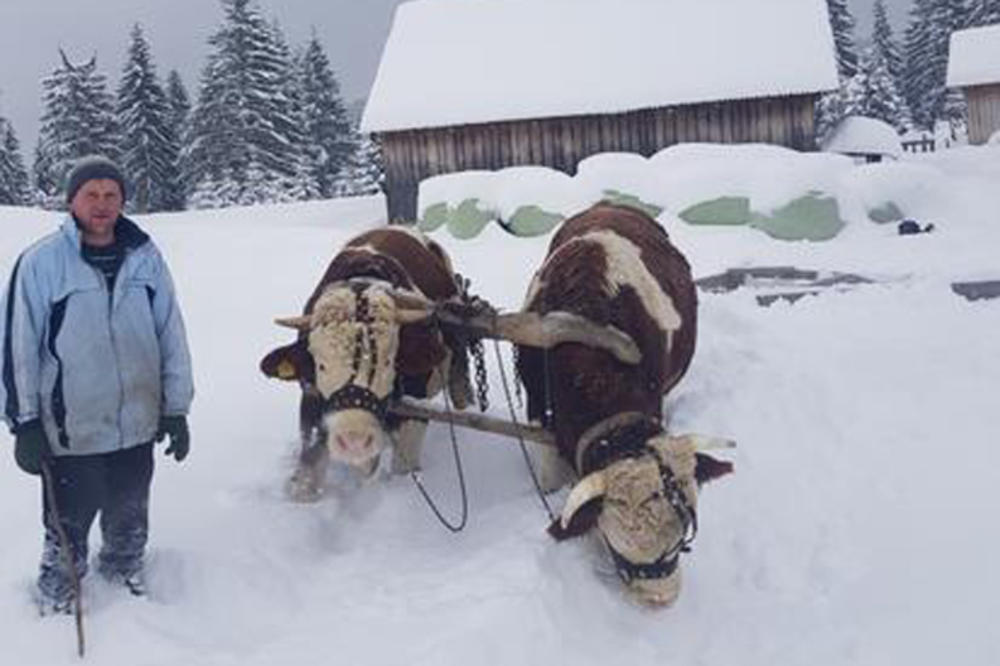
x=180, y=438
x=30, y=446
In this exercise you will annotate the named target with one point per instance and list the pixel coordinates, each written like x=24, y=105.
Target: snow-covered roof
x=455, y=62
x=860, y=135
x=975, y=57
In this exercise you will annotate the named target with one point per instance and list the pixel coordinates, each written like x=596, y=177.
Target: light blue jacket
x=98, y=369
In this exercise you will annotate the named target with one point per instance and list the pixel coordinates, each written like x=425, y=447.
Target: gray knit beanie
x=93, y=167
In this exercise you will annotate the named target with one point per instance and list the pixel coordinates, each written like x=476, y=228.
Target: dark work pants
x=116, y=485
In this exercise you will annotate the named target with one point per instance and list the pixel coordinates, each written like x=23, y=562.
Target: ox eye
x=652, y=498
x=322, y=367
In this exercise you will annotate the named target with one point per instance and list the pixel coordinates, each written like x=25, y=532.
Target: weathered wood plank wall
x=984, y=112
x=560, y=143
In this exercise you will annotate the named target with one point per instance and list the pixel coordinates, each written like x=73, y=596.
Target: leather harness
x=625, y=436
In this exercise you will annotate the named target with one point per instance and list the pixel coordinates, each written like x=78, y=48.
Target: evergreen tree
x=886, y=49
x=150, y=146
x=240, y=142
x=842, y=23
x=363, y=174
x=983, y=12
x=302, y=184
x=884, y=42
x=927, y=48
x=78, y=120
x=330, y=139
x=917, y=48
x=13, y=176
x=180, y=105
x=872, y=92
x=831, y=108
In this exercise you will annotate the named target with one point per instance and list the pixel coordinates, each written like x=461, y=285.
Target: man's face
x=97, y=205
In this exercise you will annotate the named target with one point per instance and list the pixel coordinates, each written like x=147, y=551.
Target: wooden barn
x=974, y=66
x=486, y=84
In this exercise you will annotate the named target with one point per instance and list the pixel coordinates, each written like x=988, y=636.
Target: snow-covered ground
x=858, y=528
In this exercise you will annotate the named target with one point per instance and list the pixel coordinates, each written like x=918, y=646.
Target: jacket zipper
x=114, y=351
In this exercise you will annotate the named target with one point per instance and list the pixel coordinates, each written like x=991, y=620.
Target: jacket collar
x=127, y=232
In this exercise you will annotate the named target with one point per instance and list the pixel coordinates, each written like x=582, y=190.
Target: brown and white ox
x=616, y=267
x=365, y=336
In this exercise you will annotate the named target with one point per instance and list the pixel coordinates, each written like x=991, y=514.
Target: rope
x=520, y=438
x=66, y=548
x=461, y=480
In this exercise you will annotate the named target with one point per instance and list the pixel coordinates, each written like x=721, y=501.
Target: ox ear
x=290, y=363
x=708, y=468
x=584, y=520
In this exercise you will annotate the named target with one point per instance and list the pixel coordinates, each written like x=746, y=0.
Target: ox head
x=347, y=357
x=643, y=499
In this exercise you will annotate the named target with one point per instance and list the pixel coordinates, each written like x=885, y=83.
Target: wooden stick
x=69, y=560
x=412, y=409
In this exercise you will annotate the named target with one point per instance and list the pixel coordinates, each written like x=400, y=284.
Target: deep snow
x=858, y=527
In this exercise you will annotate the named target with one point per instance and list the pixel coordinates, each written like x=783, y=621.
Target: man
x=95, y=368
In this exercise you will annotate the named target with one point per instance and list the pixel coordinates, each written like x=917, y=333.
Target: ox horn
x=300, y=323
x=410, y=306
x=590, y=487
x=534, y=330
x=706, y=442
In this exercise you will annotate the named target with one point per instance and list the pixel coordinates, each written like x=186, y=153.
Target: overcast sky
x=353, y=32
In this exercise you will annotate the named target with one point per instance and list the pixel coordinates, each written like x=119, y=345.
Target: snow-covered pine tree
x=363, y=174
x=872, y=91
x=927, y=46
x=301, y=185
x=180, y=115
x=885, y=43
x=832, y=106
x=887, y=49
x=331, y=140
x=843, y=23
x=239, y=127
x=13, y=176
x=150, y=147
x=917, y=72
x=984, y=12
x=830, y=110
x=78, y=119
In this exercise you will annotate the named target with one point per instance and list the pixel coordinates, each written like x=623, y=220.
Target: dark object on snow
x=907, y=227
x=734, y=278
x=974, y=291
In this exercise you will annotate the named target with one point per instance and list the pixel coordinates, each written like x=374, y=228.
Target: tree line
x=268, y=125
x=901, y=81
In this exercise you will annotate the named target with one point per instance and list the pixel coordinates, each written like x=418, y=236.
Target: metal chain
x=520, y=438
x=482, y=385
x=518, y=379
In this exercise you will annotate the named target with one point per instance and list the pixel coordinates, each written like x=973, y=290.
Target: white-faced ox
x=636, y=484
x=365, y=336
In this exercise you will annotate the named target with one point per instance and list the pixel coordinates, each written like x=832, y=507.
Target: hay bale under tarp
x=469, y=218
x=531, y=220
x=887, y=213
x=813, y=217
x=727, y=211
